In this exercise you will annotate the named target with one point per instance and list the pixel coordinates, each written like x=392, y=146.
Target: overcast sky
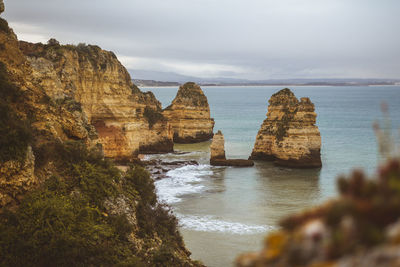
x=253, y=39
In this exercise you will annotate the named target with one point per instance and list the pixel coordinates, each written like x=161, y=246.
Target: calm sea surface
x=224, y=211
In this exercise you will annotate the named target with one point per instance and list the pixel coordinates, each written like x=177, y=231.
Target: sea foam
x=182, y=181
x=212, y=224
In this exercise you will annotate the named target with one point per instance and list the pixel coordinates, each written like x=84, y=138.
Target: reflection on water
x=229, y=201
x=224, y=211
x=285, y=191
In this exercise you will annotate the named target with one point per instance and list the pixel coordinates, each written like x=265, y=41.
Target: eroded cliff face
x=127, y=120
x=61, y=203
x=29, y=120
x=289, y=135
x=189, y=115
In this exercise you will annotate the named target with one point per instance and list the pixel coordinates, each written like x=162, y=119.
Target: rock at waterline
x=189, y=115
x=289, y=136
x=218, y=158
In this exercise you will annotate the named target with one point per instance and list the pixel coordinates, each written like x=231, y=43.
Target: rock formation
x=217, y=157
x=28, y=113
x=217, y=147
x=61, y=203
x=289, y=135
x=359, y=228
x=127, y=120
x=189, y=115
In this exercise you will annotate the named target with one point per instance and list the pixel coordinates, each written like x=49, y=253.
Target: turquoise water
x=226, y=211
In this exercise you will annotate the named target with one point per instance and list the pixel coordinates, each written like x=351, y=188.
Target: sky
x=244, y=39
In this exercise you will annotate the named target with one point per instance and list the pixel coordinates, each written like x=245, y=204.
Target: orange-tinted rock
x=289, y=135
x=189, y=115
x=217, y=155
x=98, y=81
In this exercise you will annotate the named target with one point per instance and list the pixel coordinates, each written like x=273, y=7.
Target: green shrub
x=152, y=116
x=15, y=132
x=4, y=26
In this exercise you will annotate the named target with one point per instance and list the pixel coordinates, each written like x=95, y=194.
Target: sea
x=225, y=211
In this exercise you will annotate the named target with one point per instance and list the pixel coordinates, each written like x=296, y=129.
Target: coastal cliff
x=289, y=135
x=127, y=120
x=189, y=115
x=61, y=202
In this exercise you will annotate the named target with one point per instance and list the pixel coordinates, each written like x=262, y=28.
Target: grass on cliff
x=15, y=131
x=152, y=116
x=66, y=222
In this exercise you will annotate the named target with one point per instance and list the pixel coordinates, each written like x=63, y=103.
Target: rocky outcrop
x=217, y=148
x=359, y=228
x=29, y=120
x=217, y=155
x=189, y=115
x=61, y=203
x=127, y=120
x=289, y=135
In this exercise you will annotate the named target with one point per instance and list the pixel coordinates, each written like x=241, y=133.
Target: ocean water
x=224, y=211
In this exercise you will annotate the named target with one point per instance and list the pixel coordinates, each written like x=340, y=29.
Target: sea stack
x=189, y=115
x=217, y=157
x=217, y=147
x=289, y=136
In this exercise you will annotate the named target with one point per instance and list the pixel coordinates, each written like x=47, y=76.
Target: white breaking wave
x=182, y=181
x=211, y=224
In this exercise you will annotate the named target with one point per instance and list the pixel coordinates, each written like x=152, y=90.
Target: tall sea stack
x=289, y=135
x=189, y=115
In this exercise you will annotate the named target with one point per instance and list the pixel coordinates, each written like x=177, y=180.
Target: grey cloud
x=259, y=39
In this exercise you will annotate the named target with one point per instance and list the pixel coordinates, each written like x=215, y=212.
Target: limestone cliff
x=189, y=115
x=61, y=203
x=127, y=120
x=289, y=135
x=29, y=120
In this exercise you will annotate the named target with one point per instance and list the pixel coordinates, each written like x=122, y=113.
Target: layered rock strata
x=189, y=115
x=54, y=179
x=27, y=113
x=289, y=135
x=127, y=120
x=217, y=154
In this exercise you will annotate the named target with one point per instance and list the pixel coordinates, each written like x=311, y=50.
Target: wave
x=182, y=181
x=212, y=224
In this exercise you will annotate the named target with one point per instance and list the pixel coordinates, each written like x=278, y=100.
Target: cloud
x=255, y=39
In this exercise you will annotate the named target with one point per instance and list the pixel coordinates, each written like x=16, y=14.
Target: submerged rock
x=217, y=157
x=189, y=115
x=289, y=135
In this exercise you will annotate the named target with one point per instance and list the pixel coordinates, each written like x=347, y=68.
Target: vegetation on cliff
x=15, y=131
x=72, y=219
x=61, y=202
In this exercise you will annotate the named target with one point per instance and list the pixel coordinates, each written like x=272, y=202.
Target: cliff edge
x=289, y=135
x=61, y=202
